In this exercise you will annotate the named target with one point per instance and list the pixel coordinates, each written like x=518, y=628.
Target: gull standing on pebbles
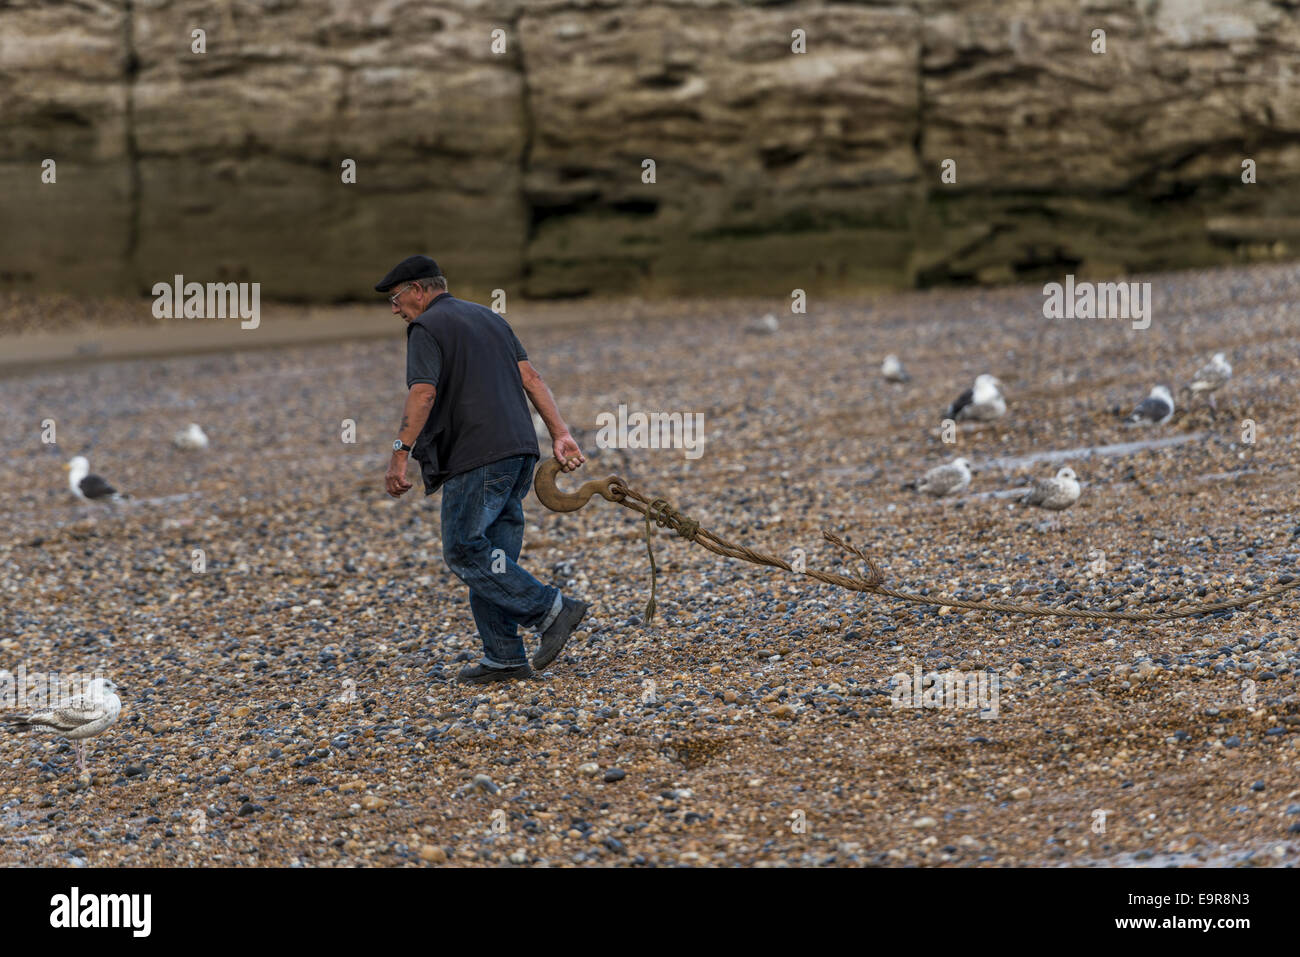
x=981, y=403
x=543, y=433
x=87, y=487
x=944, y=479
x=893, y=370
x=191, y=437
x=1211, y=377
x=1155, y=409
x=765, y=326
x=1054, y=494
x=76, y=718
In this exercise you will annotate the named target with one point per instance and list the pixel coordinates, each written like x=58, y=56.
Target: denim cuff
x=493, y=663
x=553, y=613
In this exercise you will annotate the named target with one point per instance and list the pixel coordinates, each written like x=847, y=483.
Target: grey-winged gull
x=190, y=438
x=77, y=718
x=944, y=479
x=1054, y=494
x=1211, y=377
x=892, y=369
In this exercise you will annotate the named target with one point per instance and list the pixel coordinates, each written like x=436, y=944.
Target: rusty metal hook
x=550, y=495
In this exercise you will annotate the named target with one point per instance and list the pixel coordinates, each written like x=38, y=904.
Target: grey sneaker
x=555, y=637
x=481, y=674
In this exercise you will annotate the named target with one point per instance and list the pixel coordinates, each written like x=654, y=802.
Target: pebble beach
x=286, y=636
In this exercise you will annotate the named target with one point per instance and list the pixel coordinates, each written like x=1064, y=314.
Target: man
x=467, y=423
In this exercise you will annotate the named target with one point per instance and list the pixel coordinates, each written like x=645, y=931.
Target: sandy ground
x=293, y=702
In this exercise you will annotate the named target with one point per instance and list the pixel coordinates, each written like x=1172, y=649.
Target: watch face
x=397, y=445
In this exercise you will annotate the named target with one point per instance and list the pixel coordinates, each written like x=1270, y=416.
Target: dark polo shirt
x=480, y=412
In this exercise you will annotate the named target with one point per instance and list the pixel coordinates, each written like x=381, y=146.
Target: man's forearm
x=416, y=413
x=544, y=402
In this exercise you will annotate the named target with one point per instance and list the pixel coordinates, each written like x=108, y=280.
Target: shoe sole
x=538, y=664
x=492, y=679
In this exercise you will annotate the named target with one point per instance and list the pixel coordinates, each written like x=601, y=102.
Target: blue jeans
x=482, y=533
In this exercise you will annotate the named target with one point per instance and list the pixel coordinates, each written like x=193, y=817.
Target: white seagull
x=893, y=370
x=1054, y=494
x=76, y=718
x=765, y=326
x=982, y=403
x=1211, y=377
x=543, y=433
x=1155, y=409
x=944, y=479
x=191, y=437
x=87, y=487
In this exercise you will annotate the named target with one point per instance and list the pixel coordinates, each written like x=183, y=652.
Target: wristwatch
x=399, y=447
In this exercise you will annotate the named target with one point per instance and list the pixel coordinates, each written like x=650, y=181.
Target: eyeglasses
x=394, y=297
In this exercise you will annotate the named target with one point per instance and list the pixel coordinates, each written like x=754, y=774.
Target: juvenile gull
x=982, y=403
x=77, y=717
x=1054, y=494
x=944, y=479
x=191, y=437
x=893, y=370
x=87, y=487
x=1155, y=409
x=1211, y=377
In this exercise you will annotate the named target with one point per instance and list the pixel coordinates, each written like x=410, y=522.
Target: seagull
x=1054, y=494
x=76, y=718
x=765, y=326
x=944, y=479
x=1211, y=377
x=191, y=437
x=1155, y=409
x=87, y=487
x=543, y=433
x=982, y=403
x=893, y=370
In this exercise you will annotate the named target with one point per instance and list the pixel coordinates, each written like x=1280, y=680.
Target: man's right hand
x=567, y=452
x=395, y=482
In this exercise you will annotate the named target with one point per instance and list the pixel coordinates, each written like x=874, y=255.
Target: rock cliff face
x=520, y=165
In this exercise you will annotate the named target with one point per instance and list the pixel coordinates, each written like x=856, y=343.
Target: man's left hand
x=395, y=481
x=567, y=452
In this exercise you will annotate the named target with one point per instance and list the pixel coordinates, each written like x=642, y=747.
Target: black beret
x=412, y=267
